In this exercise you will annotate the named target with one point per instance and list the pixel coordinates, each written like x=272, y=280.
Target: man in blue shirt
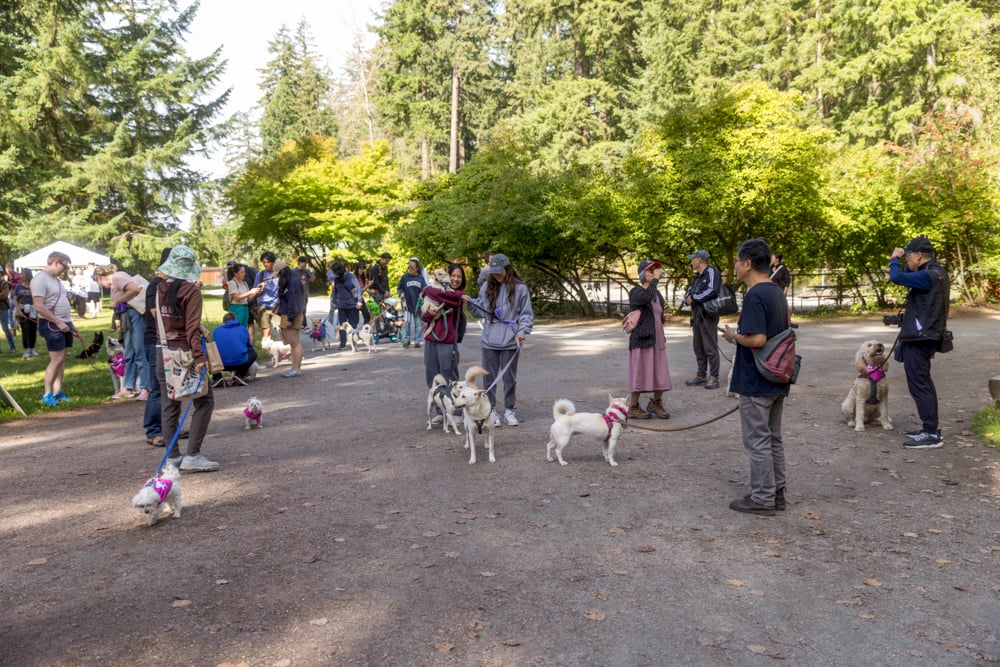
x=267, y=301
x=236, y=349
x=925, y=318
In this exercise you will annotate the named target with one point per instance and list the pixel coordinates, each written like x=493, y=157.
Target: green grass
x=986, y=425
x=86, y=381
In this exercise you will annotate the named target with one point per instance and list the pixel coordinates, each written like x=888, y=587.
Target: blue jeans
x=413, y=328
x=136, y=366
x=151, y=420
x=6, y=321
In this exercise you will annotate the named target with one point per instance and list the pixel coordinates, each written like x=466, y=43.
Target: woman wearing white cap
x=179, y=297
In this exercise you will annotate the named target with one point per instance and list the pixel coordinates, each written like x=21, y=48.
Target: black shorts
x=56, y=340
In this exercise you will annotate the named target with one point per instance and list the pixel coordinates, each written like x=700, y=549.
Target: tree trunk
x=453, y=153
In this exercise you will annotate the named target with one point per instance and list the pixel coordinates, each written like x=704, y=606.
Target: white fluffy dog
x=116, y=366
x=606, y=427
x=476, y=411
x=868, y=398
x=363, y=334
x=439, y=396
x=440, y=279
x=275, y=349
x=253, y=414
x=158, y=494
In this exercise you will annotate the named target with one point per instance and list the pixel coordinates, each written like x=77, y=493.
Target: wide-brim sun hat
x=181, y=264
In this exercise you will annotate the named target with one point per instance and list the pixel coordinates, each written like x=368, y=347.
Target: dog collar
x=161, y=485
x=615, y=414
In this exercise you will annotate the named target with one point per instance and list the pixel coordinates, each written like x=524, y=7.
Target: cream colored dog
x=476, y=411
x=440, y=279
x=606, y=427
x=868, y=398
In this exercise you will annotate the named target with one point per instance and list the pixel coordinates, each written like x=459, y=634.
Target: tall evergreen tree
x=297, y=88
x=103, y=106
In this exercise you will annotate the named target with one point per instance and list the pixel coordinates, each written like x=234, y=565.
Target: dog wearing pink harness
x=606, y=427
x=160, y=495
x=253, y=414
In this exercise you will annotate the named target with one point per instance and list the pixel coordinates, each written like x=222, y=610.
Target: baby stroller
x=386, y=319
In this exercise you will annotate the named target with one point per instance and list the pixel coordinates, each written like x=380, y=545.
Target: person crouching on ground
x=647, y=349
x=179, y=307
x=235, y=348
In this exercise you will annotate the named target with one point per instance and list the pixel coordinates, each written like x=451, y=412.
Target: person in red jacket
x=447, y=330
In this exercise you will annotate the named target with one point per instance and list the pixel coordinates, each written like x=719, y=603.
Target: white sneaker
x=509, y=417
x=495, y=417
x=26, y=355
x=34, y=352
x=198, y=463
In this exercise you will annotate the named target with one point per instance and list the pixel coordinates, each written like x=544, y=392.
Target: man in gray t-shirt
x=54, y=323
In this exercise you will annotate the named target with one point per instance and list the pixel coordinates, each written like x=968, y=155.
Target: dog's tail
x=473, y=373
x=438, y=380
x=562, y=408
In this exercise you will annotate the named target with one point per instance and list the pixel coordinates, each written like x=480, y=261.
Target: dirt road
x=344, y=533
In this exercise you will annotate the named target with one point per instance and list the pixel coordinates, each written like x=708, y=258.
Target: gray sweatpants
x=493, y=362
x=760, y=421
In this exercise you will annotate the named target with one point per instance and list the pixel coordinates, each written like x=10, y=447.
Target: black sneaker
x=924, y=440
x=779, y=499
x=695, y=381
x=745, y=504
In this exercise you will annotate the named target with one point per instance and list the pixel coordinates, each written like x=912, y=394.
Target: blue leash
x=177, y=432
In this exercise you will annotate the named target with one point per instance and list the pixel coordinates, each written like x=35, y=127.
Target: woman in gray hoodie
x=505, y=305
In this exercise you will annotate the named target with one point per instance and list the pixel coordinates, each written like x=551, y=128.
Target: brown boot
x=635, y=412
x=656, y=407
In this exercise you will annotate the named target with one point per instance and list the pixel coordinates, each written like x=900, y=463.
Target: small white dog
x=476, y=411
x=253, y=414
x=439, y=396
x=607, y=427
x=317, y=334
x=362, y=334
x=440, y=279
x=160, y=493
x=275, y=349
x=116, y=365
x=868, y=398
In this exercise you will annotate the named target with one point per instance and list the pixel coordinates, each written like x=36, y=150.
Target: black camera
x=892, y=320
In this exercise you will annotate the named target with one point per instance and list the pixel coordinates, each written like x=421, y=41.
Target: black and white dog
x=439, y=397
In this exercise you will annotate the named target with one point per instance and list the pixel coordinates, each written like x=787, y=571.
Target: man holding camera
x=705, y=287
x=924, y=319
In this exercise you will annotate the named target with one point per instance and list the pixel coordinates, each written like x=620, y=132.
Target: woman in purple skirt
x=647, y=348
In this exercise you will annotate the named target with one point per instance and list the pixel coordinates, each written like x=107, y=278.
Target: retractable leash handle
x=177, y=432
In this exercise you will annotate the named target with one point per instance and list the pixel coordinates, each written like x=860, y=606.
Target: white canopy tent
x=78, y=256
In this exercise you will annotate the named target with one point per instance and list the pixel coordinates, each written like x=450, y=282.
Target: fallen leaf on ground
x=451, y=554
x=908, y=534
x=933, y=531
x=595, y=616
x=221, y=582
x=380, y=526
x=646, y=549
x=866, y=616
x=961, y=587
x=615, y=531
x=38, y=561
x=487, y=574
x=319, y=621
x=510, y=642
x=444, y=647
x=756, y=648
x=942, y=561
x=734, y=582
x=310, y=558
x=431, y=533
x=814, y=517
x=180, y=603
x=395, y=511
x=946, y=516
x=339, y=539
x=241, y=663
x=772, y=554
x=873, y=582
x=621, y=573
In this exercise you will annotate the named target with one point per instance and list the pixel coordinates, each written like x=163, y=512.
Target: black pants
x=917, y=365
x=706, y=343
